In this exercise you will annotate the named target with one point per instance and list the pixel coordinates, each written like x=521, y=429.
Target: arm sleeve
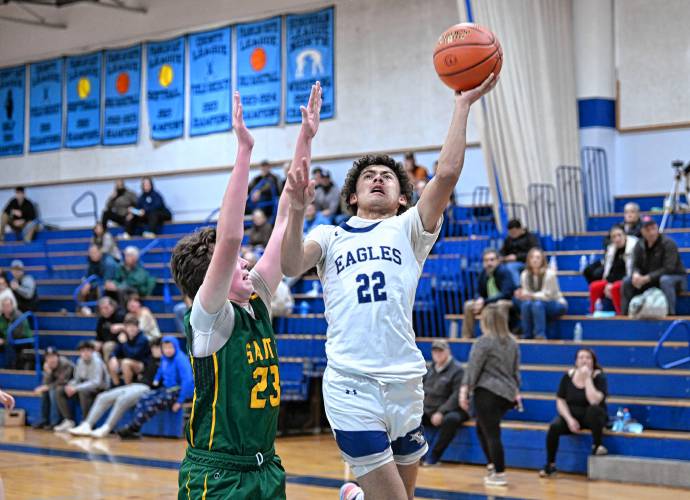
x=8, y=207
x=451, y=403
x=322, y=236
x=601, y=384
x=261, y=288
x=637, y=258
x=563, y=387
x=210, y=332
x=478, y=355
x=27, y=287
x=422, y=241
x=516, y=367
x=95, y=380
x=30, y=212
x=669, y=263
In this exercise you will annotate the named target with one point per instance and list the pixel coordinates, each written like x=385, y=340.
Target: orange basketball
x=466, y=54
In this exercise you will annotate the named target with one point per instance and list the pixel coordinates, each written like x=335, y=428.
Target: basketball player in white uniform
x=369, y=267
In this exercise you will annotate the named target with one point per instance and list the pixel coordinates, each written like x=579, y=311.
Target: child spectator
x=106, y=243
x=147, y=322
x=6, y=291
x=57, y=371
x=118, y=205
x=132, y=353
x=150, y=211
x=8, y=315
x=131, y=277
x=23, y=286
x=618, y=265
x=109, y=326
x=260, y=232
x=20, y=215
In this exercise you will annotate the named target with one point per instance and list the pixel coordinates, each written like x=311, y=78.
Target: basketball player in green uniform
x=232, y=427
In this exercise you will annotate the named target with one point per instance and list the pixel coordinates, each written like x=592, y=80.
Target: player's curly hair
x=358, y=166
x=191, y=258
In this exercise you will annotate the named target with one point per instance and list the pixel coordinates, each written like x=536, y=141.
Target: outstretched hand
x=469, y=97
x=300, y=189
x=243, y=136
x=7, y=400
x=311, y=114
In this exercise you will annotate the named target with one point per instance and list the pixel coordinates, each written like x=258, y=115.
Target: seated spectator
x=539, y=297
x=260, y=231
x=656, y=263
x=109, y=325
x=326, y=194
x=119, y=399
x=581, y=404
x=618, y=264
x=118, y=205
x=282, y=300
x=106, y=243
x=90, y=378
x=414, y=172
x=23, y=286
x=20, y=214
x=418, y=190
x=6, y=291
x=150, y=212
x=130, y=277
x=131, y=354
x=180, y=309
x=263, y=190
x=632, y=225
x=96, y=266
x=8, y=315
x=57, y=372
x=174, y=384
x=313, y=218
x=515, y=247
x=147, y=322
x=495, y=285
x=441, y=395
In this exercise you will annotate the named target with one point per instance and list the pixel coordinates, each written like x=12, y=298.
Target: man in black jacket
x=515, y=248
x=495, y=284
x=20, y=215
x=441, y=410
x=656, y=263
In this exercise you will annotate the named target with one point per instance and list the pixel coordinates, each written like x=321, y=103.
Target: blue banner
x=259, y=71
x=165, y=88
x=12, y=90
x=210, y=87
x=45, y=105
x=84, y=100
x=122, y=96
x=309, y=58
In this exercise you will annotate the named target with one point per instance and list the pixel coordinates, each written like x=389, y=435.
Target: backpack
x=652, y=304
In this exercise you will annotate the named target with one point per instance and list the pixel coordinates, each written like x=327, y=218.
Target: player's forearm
x=269, y=264
x=452, y=157
x=230, y=225
x=302, y=148
x=292, y=248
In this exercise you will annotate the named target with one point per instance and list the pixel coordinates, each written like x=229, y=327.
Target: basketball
x=466, y=54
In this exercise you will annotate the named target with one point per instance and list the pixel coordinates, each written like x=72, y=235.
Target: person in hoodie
x=515, y=248
x=90, y=378
x=119, y=399
x=131, y=355
x=118, y=205
x=173, y=385
x=57, y=372
x=150, y=212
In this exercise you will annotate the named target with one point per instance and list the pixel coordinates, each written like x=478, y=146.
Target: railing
x=542, y=206
x=12, y=342
x=94, y=202
x=597, y=188
x=210, y=216
x=481, y=196
x=518, y=211
x=570, y=199
x=660, y=344
x=94, y=278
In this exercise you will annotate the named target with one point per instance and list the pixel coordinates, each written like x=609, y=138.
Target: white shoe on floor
x=148, y=234
x=496, y=480
x=65, y=425
x=83, y=429
x=101, y=432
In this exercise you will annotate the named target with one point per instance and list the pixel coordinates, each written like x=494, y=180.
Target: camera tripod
x=673, y=203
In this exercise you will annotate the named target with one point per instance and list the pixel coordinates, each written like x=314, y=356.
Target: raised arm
x=230, y=228
x=268, y=265
x=296, y=257
x=437, y=192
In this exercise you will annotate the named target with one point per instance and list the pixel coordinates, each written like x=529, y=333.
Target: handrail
x=595, y=177
x=659, y=345
x=571, y=201
x=91, y=279
x=148, y=247
x=94, y=201
x=208, y=219
x=33, y=340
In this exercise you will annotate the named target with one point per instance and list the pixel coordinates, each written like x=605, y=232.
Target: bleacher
x=659, y=399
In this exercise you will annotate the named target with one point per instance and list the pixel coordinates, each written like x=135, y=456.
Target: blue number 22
x=364, y=296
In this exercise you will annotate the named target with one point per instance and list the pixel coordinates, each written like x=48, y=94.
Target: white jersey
x=369, y=270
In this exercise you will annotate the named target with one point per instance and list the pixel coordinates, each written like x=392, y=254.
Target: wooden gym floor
x=44, y=465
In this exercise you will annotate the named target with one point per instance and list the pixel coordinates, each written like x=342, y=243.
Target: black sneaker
x=41, y=425
x=548, y=471
x=128, y=433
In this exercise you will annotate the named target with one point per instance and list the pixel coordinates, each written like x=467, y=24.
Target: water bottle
x=553, y=265
x=583, y=263
x=577, y=332
x=592, y=258
x=598, y=306
x=618, y=422
x=303, y=308
x=625, y=420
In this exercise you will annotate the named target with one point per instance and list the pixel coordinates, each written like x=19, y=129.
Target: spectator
x=326, y=194
x=415, y=172
x=313, y=218
x=180, y=310
x=631, y=220
x=175, y=385
x=90, y=378
x=495, y=285
x=8, y=315
x=130, y=277
x=20, y=214
x=118, y=205
x=539, y=297
x=418, y=190
x=57, y=371
x=263, y=190
x=261, y=230
x=618, y=264
x=515, y=247
x=131, y=354
x=106, y=242
x=147, y=322
x=282, y=300
x=6, y=291
x=656, y=263
x=118, y=400
x=150, y=212
x=110, y=324
x=441, y=395
x=23, y=286
x=581, y=404
x=493, y=374
x=96, y=266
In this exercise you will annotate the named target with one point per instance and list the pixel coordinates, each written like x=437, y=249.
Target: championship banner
x=165, y=88
x=309, y=58
x=210, y=86
x=45, y=105
x=84, y=100
x=12, y=89
x=259, y=71
x=122, y=96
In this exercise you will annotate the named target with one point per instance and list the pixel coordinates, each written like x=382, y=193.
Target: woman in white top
x=6, y=291
x=147, y=322
x=539, y=296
